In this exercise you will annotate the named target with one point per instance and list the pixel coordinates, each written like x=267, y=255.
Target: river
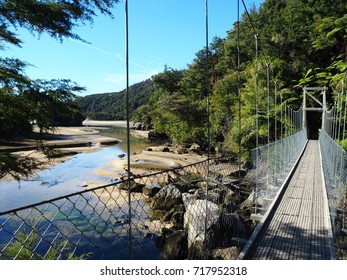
x=66, y=177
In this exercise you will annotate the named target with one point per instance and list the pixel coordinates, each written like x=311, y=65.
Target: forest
x=111, y=105
x=299, y=42
x=25, y=102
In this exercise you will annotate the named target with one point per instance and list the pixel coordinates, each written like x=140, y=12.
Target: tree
x=22, y=100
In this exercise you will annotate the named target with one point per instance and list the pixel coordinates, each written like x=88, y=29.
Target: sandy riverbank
x=151, y=160
x=72, y=140
x=65, y=140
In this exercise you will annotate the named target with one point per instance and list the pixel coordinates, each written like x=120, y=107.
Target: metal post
x=128, y=123
x=304, y=110
x=275, y=114
x=208, y=121
x=256, y=124
x=239, y=79
x=324, y=108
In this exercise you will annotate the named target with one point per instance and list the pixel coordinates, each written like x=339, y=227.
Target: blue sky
x=160, y=32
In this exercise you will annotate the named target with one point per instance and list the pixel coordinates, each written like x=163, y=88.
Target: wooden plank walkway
x=299, y=228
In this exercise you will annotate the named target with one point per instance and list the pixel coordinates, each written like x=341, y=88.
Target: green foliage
x=17, y=166
x=111, y=106
x=181, y=118
x=24, y=244
x=24, y=101
x=57, y=18
x=303, y=42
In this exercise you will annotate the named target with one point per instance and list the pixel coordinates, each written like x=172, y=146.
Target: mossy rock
x=157, y=214
x=176, y=246
x=150, y=191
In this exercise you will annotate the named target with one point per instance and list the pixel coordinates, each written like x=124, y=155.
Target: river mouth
x=70, y=176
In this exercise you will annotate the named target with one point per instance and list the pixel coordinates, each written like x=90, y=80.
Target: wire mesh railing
x=272, y=163
x=175, y=214
x=334, y=161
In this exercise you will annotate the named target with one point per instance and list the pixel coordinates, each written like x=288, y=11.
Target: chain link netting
x=334, y=160
x=185, y=213
x=273, y=162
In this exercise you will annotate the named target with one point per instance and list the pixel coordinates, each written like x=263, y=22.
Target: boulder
x=137, y=126
x=156, y=214
x=238, y=174
x=175, y=247
x=187, y=198
x=177, y=219
x=248, y=203
x=230, y=253
x=200, y=216
x=220, y=195
x=166, y=198
x=150, y=191
x=227, y=227
x=194, y=148
x=134, y=187
x=166, y=149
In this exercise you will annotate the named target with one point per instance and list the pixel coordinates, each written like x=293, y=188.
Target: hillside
x=111, y=106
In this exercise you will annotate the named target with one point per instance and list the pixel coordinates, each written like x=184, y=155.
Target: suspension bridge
x=296, y=209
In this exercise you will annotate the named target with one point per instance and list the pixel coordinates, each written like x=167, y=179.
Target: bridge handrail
x=334, y=161
x=271, y=165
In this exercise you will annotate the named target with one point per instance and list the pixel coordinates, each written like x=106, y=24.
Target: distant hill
x=111, y=105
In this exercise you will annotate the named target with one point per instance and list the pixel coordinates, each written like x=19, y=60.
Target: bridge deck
x=298, y=228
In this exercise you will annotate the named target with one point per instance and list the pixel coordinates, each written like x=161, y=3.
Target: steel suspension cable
x=128, y=122
x=239, y=79
x=256, y=120
x=340, y=100
x=275, y=113
x=345, y=113
x=268, y=121
x=208, y=119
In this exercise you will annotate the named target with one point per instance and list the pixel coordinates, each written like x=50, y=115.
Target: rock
x=203, y=184
x=211, y=195
x=134, y=187
x=182, y=151
x=238, y=174
x=200, y=215
x=156, y=214
x=137, y=126
x=187, y=198
x=121, y=155
x=183, y=187
x=166, y=198
x=194, y=148
x=230, y=253
x=168, y=215
x=225, y=229
x=166, y=150
x=177, y=219
x=197, y=251
x=248, y=203
x=150, y=191
x=175, y=247
x=166, y=231
x=220, y=195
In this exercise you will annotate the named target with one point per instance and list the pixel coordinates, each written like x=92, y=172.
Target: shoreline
x=73, y=140
x=152, y=160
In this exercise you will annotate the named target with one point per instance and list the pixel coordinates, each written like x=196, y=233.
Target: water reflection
x=67, y=177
